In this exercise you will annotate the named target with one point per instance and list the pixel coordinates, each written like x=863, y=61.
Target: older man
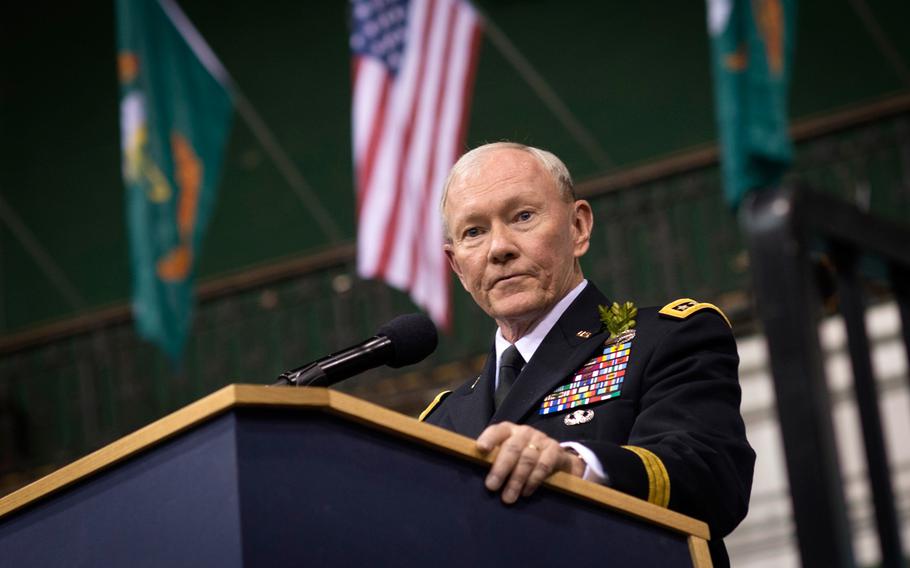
x=651, y=409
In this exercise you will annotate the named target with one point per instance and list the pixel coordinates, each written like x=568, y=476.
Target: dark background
x=637, y=75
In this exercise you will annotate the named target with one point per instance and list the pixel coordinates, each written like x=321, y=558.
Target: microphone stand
x=339, y=366
x=303, y=377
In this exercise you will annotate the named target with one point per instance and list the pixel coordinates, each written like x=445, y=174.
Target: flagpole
x=44, y=260
x=288, y=169
x=263, y=134
x=882, y=41
x=546, y=93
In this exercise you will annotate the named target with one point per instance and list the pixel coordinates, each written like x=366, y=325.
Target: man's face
x=514, y=239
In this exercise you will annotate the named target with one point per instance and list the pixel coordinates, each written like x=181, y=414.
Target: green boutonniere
x=618, y=318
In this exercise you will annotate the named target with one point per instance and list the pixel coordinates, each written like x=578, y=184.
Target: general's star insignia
x=578, y=417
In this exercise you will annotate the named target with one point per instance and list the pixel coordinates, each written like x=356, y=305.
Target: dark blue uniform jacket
x=673, y=436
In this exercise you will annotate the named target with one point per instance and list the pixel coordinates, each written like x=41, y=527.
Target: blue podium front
x=277, y=485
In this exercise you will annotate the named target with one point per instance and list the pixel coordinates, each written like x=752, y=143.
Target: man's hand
x=526, y=457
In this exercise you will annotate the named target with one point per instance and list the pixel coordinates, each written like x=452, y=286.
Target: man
x=651, y=409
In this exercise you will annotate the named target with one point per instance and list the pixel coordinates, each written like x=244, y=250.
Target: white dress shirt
x=527, y=346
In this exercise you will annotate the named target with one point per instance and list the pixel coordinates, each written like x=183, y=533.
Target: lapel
x=470, y=413
x=560, y=354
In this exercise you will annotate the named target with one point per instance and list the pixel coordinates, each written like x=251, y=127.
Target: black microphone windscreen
x=413, y=337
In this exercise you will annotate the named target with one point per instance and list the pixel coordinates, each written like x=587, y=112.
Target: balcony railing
x=661, y=231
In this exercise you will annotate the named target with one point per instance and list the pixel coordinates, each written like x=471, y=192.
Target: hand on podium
x=526, y=458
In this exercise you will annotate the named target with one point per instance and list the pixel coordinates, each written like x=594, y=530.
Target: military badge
x=623, y=337
x=578, y=417
x=598, y=379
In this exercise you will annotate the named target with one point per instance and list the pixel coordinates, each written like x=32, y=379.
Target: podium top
x=346, y=407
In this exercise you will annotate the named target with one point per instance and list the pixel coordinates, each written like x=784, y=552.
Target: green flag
x=752, y=42
x=175, y=116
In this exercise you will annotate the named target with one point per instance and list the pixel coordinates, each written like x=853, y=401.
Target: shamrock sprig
x=618, y=317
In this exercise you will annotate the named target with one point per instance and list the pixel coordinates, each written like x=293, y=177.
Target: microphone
x=405, y=340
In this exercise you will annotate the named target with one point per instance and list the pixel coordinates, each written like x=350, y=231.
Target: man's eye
x=524, y=216
x=472, y=232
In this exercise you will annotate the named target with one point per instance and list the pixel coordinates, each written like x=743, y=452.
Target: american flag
x=413, y=67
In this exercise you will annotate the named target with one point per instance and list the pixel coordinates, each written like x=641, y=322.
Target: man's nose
x=502, y=245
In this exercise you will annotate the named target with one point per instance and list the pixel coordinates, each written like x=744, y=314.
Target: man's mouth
x=506, y=279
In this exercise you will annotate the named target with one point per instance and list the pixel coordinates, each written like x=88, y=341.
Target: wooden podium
x=259, y=476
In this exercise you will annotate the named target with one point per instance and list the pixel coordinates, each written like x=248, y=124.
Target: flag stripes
x=412, y=82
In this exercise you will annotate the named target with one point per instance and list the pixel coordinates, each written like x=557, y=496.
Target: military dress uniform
x=658, y=405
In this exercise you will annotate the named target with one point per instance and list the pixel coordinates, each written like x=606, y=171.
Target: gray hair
x=551, y=164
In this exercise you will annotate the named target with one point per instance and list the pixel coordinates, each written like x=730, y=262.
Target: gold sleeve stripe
x=426, y=411
x=658, y=478
x=685, y=307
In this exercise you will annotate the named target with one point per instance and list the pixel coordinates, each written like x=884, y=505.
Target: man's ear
x=450, y=256
x=582, y=225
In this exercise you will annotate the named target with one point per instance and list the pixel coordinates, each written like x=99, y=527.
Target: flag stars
x=362, y=10
x=379, y=30
x=357, y=42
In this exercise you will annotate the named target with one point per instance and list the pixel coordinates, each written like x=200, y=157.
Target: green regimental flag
x=175, y=117
x=752, y=43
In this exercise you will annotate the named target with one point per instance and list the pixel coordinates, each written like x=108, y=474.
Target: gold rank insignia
x=685, y=307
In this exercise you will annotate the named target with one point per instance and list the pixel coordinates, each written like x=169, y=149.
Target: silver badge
x=578, y=417
x=623, y=337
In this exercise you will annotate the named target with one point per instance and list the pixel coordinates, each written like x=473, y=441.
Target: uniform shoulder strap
x=685, y=307
x=426, y=411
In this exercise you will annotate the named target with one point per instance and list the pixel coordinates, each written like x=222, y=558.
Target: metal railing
x=787, y=231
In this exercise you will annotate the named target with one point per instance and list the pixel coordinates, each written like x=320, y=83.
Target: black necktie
x=510, y=365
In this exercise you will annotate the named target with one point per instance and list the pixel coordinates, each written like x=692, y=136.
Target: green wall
x=636, y=75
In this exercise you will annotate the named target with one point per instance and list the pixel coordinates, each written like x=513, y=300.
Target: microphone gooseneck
x=405, y=340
